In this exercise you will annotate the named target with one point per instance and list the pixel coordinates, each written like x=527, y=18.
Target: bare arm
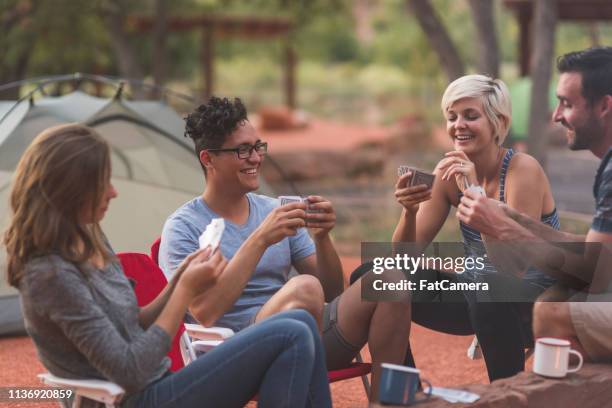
x=149, y=313
x=326, y=265
x=197, y=275
x=424, y=211
x=541, y=230
x=329, y=267
x=526, y=187
x=573, y=268
x=282, y=222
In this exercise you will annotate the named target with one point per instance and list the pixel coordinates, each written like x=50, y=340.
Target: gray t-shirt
x=180, y=238
x=85, y=325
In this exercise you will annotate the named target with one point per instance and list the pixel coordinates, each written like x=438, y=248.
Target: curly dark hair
x=211, y=123
x=595, y=65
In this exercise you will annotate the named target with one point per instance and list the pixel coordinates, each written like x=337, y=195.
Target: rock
x=591, y=387
x=321, y=165
x=281, y=118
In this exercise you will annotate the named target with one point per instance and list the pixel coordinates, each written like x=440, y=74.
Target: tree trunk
x=362, y=14
x=541, y=71
x=594, y=35
x=160, y=31
x=14, y=69
x=438, y=38
x=129, y=66
x=488, y=50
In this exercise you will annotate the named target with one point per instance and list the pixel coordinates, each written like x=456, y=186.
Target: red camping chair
x=150, y=281
x=356, y=369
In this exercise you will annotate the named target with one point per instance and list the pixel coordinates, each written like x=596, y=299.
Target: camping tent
x=154, y=167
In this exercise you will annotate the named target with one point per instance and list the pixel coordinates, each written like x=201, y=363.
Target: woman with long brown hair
x=82, y=314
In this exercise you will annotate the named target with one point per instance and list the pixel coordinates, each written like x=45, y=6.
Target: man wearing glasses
x=263, y=240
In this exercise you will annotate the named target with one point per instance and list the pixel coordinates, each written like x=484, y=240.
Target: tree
x=160, y=33
x=541, y=71
x=114, y=12
x=362, y=13
x=16, y=41
x=438, y=38
x=488, y=49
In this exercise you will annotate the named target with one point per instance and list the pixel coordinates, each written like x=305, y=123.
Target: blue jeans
x=280, y=359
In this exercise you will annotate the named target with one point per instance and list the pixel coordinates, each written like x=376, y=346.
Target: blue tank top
x=473, y=245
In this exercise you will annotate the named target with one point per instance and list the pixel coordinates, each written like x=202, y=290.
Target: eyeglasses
x=245, y=151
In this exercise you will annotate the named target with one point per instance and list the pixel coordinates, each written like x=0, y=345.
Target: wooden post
x=290, y=66
x=208, y=55
x=524, y=16
x=546, y=15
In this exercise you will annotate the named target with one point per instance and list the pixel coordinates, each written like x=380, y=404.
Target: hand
x=410, y=197
x=181, y=268
x=510, y=212
x=282, y=222
x=201, y=270
x=323, y=221
x=481, y=213
x=457, y=164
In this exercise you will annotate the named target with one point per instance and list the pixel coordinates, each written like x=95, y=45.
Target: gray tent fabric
x=154, y=167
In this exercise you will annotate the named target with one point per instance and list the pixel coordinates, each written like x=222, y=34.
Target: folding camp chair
x=206, y=340
x=105, y=392
x=149, y=282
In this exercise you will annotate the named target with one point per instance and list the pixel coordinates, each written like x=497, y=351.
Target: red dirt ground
x=442, y=359
x=322, y=135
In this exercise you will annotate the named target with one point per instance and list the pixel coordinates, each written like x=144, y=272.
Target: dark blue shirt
x=602, y=190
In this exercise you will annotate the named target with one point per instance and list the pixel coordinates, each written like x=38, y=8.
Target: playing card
x=454, y=395
x=477, y=189
x=421, y=177
x=296, y=199
x=290, y=199
x=212, y=234
x=401, y=170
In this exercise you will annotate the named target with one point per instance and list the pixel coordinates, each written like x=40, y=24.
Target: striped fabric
x=602, y=190
x=474, y=247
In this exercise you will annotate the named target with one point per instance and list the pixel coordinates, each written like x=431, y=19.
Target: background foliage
x=339, y=74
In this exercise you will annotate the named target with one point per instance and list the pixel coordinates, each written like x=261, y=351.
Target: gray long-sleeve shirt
x=85, y=325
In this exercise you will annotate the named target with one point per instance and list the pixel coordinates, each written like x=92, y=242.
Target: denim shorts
x=339, y=352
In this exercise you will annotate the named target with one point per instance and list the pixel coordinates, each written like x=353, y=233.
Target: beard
x=586, y=134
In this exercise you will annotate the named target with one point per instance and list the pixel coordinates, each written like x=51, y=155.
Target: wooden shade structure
x=568, y=10
x=213, y=27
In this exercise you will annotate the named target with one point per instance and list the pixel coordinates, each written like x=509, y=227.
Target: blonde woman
x=478, y=115
x=82, y=314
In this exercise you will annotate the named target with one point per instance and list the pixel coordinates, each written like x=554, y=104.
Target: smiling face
x=467, y=125
x=584, y=129
x=231, y=172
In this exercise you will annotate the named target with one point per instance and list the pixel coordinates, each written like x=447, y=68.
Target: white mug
x=551, y=357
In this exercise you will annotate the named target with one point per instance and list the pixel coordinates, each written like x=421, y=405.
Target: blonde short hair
x=495, y=98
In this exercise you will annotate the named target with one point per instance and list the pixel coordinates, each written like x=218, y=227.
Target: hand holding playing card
x=412, y=188
x=281, y=222
x=320, y=215
x=457, y=164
